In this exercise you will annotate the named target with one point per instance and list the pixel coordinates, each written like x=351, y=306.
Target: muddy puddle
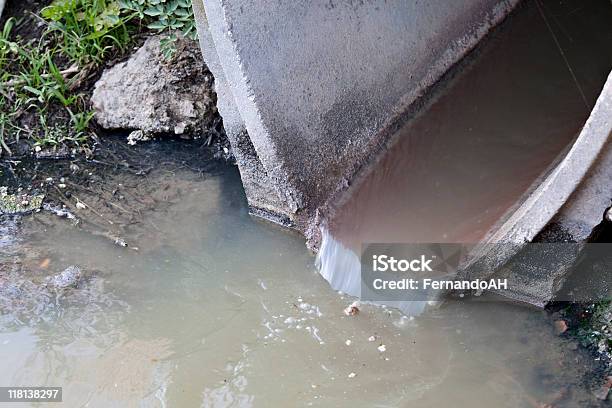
x=208, y=307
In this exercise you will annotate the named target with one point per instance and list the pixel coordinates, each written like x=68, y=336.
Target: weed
x=594, y=328
x=168, y=17
x=37, y=77
x=87, y=30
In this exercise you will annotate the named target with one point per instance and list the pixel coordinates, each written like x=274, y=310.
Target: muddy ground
x=108, y=191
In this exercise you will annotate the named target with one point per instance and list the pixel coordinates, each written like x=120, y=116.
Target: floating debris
x=352, y=375
x=59, y=211
x=120, y=241
x=353, y=309
x=137, y=136
x=69, y=277
x=348, y=342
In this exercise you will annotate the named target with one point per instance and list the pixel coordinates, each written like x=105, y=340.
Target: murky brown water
x=493, y=131
x=215, y=309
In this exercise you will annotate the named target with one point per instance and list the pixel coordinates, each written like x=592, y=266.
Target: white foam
x=341, y=267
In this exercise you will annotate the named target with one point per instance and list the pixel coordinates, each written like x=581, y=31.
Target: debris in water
x=69, y=277
x=45, y=263
x=352, y=375
x=121, y=242
x=353, y=309
x=348, y=342
x=137, y=136
x=60, y=212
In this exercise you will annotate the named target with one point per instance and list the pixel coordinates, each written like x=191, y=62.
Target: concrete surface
x=310, y=93
x=261, y=193
x=309, y=90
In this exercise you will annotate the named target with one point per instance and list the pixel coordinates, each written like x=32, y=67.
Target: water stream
x=216, y=309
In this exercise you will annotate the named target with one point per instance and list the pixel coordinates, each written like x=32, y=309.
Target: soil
x=590, y=323
x=107, y=190
x=23, y=10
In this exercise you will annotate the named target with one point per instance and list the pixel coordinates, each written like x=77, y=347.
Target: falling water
x=341, y=267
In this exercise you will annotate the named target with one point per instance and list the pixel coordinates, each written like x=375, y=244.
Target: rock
x=353, y=309
x=602, y=392
x=155, y=95
x=560, y=327
x=69, y=277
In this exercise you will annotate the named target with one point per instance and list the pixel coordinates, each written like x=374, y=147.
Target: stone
x=602, y=392
x=69, y=277
x=155, y=96
x=560, y=327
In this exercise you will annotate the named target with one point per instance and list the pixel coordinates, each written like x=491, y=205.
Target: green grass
x=87, y=31
x=40, y=79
